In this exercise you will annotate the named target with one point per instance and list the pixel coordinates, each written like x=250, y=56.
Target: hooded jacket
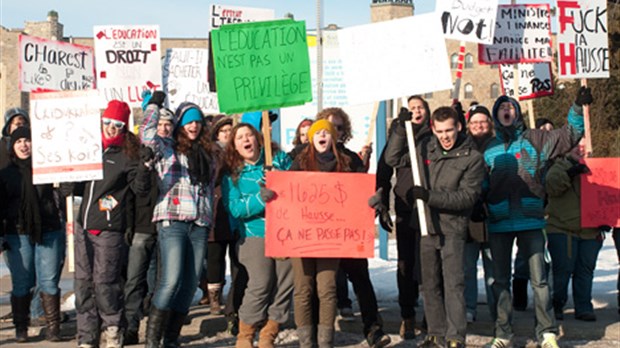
x=516, y=160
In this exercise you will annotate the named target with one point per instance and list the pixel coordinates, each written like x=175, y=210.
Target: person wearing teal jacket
x=515, y=193
x=244, y=196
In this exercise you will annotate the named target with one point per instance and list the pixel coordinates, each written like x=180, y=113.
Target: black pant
x=216, y=267
x=143, y=246
x=342, y=290
x=408, y=276
x=357, y=272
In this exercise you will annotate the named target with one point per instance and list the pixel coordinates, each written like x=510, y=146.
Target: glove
x=129, y=233
x=375, y=200
x=147, y=156
x=456, y=105
x=420, y=192
x=404, y=116
x=478, y=214
x=157, y=99
x=386, y=221
x=66, y=188
x=146, y=98
x=584, y=96
x=577, y=169
x=266, y=194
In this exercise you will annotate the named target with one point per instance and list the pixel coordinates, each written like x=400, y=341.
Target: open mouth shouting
x=322, y=141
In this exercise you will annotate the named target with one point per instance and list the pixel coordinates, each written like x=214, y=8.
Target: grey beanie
x=8, y=116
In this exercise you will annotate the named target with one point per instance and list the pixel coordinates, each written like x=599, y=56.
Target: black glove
x=66, y=188
x=158, y=98
x=478, y=214
x=146, y=154
x=420, y=192
x=584, y=96
x=386, y=221
x=404, y=116
x=375, y=200
x=577, y=169
x=129, y=233
x=266, y=194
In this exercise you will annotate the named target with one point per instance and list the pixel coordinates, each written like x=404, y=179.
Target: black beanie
x=21, y=132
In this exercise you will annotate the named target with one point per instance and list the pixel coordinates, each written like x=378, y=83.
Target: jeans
x=577, y=263
x=472, y=251
x=532, y=243
x=182, y=248
x=35, y=264
x=140, y=254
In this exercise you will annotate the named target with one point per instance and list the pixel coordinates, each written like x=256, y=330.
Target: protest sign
x=600, y=193
x=318, y=214
x=224, y=14
x=583, y=50
x=54, y=65
x=66, y=136
x=185, y=79
x=535, y=80
x=472, y=20
x=391, y=59
x=522, y=35
x=261, y=65
x=128, y=61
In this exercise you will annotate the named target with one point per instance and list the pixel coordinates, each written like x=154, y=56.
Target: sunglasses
x=115, y=123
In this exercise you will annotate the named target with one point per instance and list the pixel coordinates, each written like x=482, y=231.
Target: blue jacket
x=516, y=159
x=242, y=199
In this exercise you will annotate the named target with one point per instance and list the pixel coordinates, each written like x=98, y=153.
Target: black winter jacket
x=140, y=208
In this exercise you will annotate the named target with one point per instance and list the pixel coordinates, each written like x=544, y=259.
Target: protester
x=13, y=119
x=407, y=224
x=544, y=124
x=301, y=133
x=187, y=168
x=515, y=200
x=267, y=297
x=573, y=249
x=32, y=238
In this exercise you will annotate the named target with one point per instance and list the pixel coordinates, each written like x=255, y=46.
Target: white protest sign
x=185, y=79
x=583, y=49
x=54, y=65
x=522, y=35
x=128, y=61
x=468, y=20
x=66, y=136
x=535, y=80
x=225, y=14
x=395, y=58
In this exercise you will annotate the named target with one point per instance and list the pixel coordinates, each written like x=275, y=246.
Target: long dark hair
x=131, y=146
x=233, y=161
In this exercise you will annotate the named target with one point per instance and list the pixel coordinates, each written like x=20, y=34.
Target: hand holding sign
x=584, y=96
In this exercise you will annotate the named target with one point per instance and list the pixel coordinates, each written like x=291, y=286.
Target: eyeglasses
x=477, y=123
x=115, y=123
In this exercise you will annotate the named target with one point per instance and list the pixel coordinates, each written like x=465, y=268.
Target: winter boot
x=205, y=292
x=51, y=307
x=245, y=338
x=306, y=336
x=268, y=334
x=215, y=293
x=173, y=329
x=325, y=336
x=158, y=320
x=519, y=294
x=21, y=316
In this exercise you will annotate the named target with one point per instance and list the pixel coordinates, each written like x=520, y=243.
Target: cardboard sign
x=224, y=14
x=185, y=79
x=261, y=65
x=54, y=65
x=319, y=214
x=583, y=50
x=522, y=35
x=391, y=59
x=66, y=137
x=535, y=80
x=600, y=193
x=469, y=20
x=128, y=61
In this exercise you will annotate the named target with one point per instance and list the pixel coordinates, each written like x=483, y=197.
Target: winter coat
x=242, y=198
x=5, y=143
x=140, y=208
x=516, y=159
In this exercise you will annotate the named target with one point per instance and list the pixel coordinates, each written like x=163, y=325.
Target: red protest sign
x=318, y=214
x=600, y=193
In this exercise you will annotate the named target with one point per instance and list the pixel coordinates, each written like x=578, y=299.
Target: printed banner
x=319, y=214
x=261, y=65
x=128, y=61
x=54, y=65
x=468, y=20
x=534, y=79
x=600, y=193
x=392, y=59
x=224, y=14
x=583, y=49
x=185, y=79
x=66, y=136
x=522, y=35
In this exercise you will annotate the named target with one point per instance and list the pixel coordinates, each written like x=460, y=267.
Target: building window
x=454, y=61
x=469, y=91
x=494, y=91
x=469, y=61
x=428, y=95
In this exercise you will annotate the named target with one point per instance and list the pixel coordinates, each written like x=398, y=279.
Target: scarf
x=198, y=161
x=29, y=215
x=116, y=141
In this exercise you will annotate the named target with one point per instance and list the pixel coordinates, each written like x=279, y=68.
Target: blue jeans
x=182, y=248
x=35, y=264
x=472, y=252
x=532, y=243
x=577, y=263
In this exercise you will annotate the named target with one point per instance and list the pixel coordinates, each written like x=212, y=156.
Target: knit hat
x=319, y=125
x=478, y=109
x=180, y=117
x=191, y=115
x=8, y=117
x=117, y=110
x=166, y=114
x=21, y=132
x=218, y=122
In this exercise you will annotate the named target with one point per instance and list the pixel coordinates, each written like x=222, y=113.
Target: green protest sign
x=261, y=65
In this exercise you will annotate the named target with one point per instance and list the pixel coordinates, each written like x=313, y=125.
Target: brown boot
x=51, y=307
x=205, y=292
x=268, y=334
x=215, y=295
x=21, y=316
x=245, y=338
